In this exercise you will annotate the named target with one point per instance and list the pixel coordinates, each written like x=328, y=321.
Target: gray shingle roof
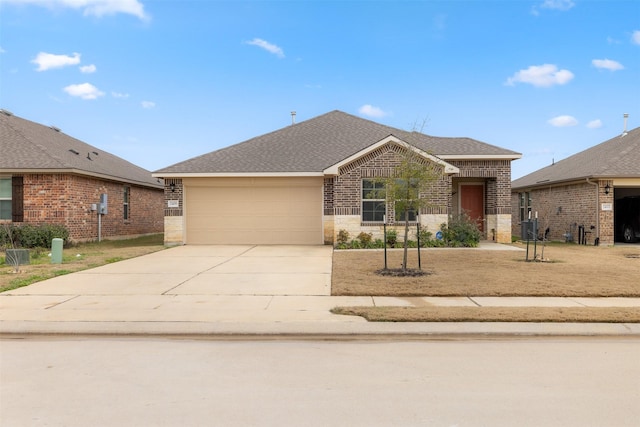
x=27, y=146
x=318, y=143
x=618, y=157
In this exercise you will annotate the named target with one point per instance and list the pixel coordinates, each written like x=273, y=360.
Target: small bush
x=355, y=244
x=343, y=237
x=461, y=231
x=378, y=244
x=365, y=239
x=31, y=236
x=392, y=238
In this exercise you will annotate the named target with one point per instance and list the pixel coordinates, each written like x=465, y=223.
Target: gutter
x=597, y=205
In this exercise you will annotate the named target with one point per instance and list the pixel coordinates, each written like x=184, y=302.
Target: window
x=525, y=205
x=373, y=201
x=400, y=215
x=5, y=198
x=127, y=191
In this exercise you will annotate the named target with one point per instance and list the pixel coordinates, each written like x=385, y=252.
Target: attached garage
x=257, y=210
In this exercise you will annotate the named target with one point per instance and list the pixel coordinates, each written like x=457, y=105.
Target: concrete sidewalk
x=246, y=291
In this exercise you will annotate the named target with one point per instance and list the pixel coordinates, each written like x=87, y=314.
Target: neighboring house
x=47, y=177
x=576, y=198
x=304, y=183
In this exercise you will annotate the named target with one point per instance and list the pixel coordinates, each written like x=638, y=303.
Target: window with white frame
x=373, y=201
x=5, y=198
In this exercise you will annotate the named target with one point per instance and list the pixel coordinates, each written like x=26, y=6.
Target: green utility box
x=56, y=251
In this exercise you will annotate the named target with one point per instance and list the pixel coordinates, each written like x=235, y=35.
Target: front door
x=472, y=202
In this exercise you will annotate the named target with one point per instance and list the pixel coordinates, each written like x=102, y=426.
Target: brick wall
x=497, y=176
x=565, y=207
x=66, y=199
x=347, y=186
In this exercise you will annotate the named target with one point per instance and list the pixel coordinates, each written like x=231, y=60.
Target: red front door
x=472, y=202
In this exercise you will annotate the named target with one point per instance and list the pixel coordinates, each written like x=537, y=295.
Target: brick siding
x=66, y=199
x=563, y=208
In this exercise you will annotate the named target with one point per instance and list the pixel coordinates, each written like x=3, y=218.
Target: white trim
x=238, y=175
x=480, y=156
x=157, y=186
x=335, y=169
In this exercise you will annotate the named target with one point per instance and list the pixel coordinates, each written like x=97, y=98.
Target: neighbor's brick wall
x=66, y=199
x=563, y=208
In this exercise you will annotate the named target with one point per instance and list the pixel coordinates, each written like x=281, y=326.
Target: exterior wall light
x=607, y=188
x=172, y=187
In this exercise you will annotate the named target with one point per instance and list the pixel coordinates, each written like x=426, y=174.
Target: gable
x=376, y=149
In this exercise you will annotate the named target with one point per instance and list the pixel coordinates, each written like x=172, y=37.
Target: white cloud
x=607, y=64
x=594, y=124
x=563, y=121
x=88, y=69
x=272, y=48
x=371, y=111
x=119, y=95
x=541, y=76
x=635, y=37
x=47, y=61
x=557, y=4
x=148, y=104
x=2, y=50
x=93, y=7
x=553, y=5
x=84, y=91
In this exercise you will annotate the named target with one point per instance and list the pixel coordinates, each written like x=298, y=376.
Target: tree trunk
x=406, y=237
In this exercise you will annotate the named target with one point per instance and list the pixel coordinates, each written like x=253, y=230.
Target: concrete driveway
x=203, y=270
x=190, y=284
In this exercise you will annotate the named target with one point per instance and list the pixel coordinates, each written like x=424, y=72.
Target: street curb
x=319, y=331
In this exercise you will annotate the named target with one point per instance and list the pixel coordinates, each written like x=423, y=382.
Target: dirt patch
x=570, y=270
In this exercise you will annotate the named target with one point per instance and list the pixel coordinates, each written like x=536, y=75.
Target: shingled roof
x=316, y=144
x=618, y=157
x=29, y=147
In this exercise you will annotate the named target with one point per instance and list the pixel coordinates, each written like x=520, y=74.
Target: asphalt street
x=62, y=381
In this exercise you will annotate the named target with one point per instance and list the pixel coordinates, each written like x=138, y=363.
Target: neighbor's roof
x=319, y=143
x=618, y=157
x=29, y=147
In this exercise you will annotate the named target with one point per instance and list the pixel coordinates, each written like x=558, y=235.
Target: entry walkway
x=241, y=290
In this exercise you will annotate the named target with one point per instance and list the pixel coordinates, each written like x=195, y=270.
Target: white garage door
x=253, y=211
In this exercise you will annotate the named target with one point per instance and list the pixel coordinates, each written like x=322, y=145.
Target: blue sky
x=158, y=82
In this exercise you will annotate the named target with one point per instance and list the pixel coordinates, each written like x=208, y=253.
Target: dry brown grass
x=570, y=270
x=495, y=314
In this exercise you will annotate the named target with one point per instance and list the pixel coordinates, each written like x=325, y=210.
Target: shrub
x=365, y=239
x=392, y=238
x=424, y=236
x=343, y=237
x=378, y=244
x=355, y=244
x=32, y=236
x=461, y=231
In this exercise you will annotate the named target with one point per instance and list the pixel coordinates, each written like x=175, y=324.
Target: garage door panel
x=270, y=211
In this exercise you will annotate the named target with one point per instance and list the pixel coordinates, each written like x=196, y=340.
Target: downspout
x=597, y=185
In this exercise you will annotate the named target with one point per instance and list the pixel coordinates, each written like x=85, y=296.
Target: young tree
x=409, y=187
